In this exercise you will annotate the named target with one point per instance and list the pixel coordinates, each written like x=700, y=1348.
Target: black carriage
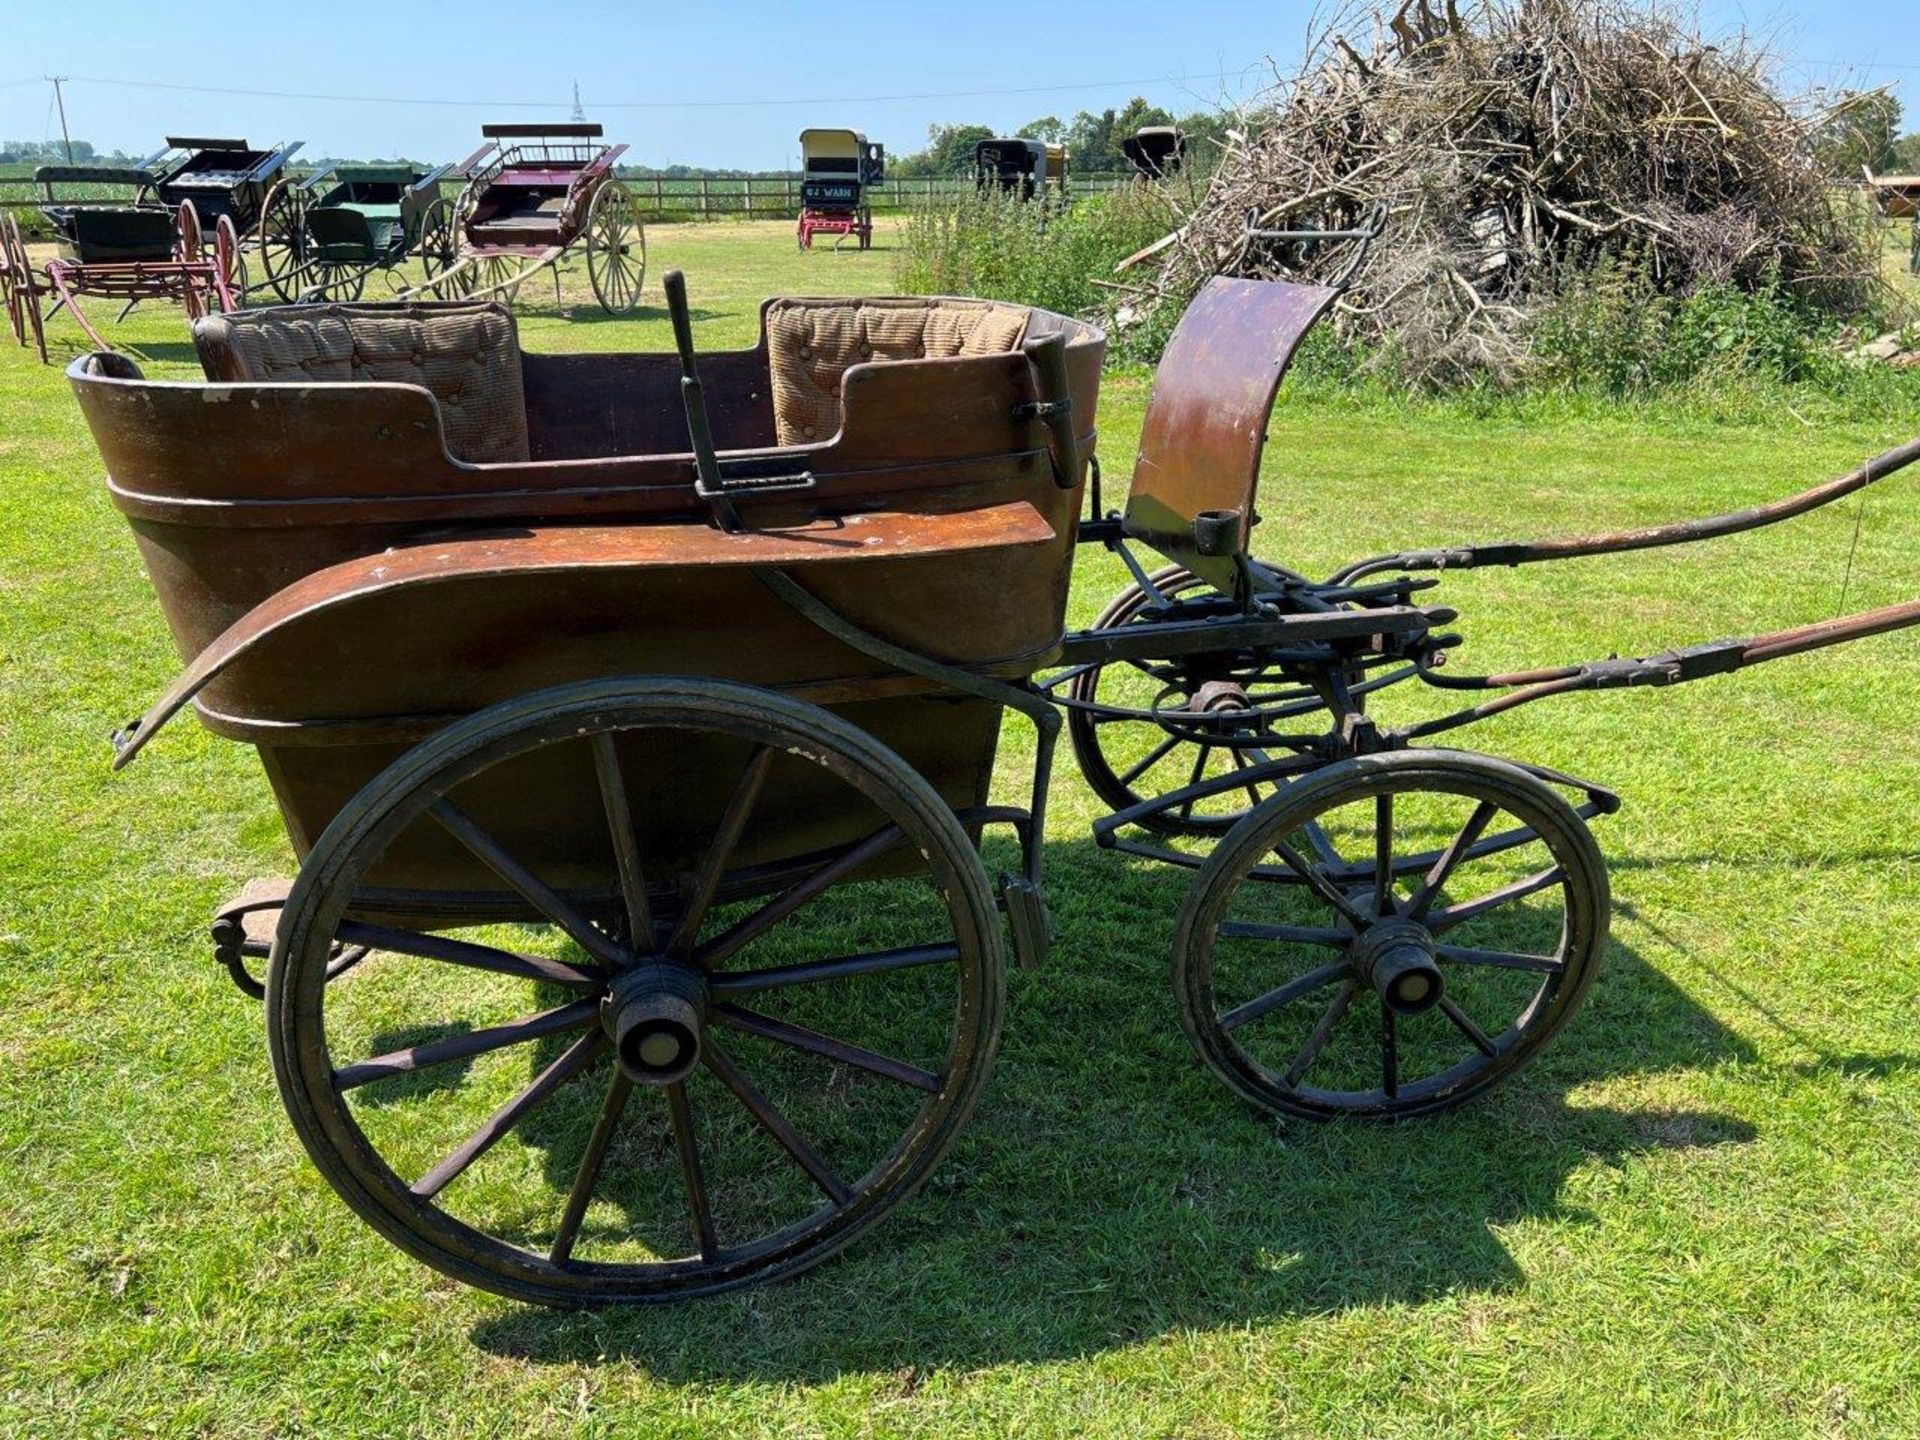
x=1020, y=167
x=1155, y=151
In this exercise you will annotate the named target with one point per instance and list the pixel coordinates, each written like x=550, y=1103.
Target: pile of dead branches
x=1505, y=146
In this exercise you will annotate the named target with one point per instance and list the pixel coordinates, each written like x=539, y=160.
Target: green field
x=1695, y=1216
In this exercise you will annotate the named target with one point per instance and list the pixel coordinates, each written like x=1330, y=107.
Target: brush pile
x=1506, y=147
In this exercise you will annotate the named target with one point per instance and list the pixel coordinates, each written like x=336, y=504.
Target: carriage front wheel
x=1390, y=936
x=713, y=1064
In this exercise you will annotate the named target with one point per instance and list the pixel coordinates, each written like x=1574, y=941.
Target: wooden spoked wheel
x=229, y=261
x=616, y=249
x=283, y=240
x=1176, y=723
x=709, y=1070
x=439, y=243
x=1390, y=936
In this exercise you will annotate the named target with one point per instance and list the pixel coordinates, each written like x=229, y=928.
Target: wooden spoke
x=465, y=952
x=1442, y=920
x=1505, y=959
x=1464, y=1023
x=716, y=951
x=626, y=845
x=570, y=1063
x=1193, y=778
x=732, y=822
x=801, y=1038
x=1293, y=934
x=537, y=893
x=1450, y=859
x=475, y=1042
x=1383, y=853
x=349, y=956
x=587, y=1177
x=1266, y=1004
x=1323, y=845
x=1323, y=1032
x=1319, y=884
x=775, y=1124
x=1154, y=757
x=812, y=972
x=1240, y=762
x=690, y=1171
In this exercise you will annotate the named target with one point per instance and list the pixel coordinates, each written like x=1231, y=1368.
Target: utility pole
x=61, y=104
x=579, y=114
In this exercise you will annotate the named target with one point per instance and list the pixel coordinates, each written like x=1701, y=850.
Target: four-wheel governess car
x=634, y=717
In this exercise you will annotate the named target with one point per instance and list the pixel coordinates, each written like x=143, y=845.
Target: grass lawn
x=1696, y=1215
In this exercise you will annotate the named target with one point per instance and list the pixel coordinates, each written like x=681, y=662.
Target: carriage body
x=368, y=214
x=218, y=177
x=96, y=231
x=1019, y=166
x=837, y=169
x=530, y=186
x=564, y=488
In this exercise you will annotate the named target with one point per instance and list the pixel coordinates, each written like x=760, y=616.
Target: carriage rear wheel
x=1390, y=936
x=1142, y=729
x=283, y=240
x=439, y=241
x=683, y=1089
x=616, y=249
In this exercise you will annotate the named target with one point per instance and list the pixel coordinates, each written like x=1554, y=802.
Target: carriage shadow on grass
x=1109, y=1190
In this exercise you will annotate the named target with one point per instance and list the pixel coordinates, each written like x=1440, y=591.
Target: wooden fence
x=659, y=197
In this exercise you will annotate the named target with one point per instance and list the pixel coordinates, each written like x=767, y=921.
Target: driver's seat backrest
x=1206, y=424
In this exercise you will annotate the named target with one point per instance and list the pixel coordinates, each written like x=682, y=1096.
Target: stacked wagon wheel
x=708, y=1089
x=616, y=249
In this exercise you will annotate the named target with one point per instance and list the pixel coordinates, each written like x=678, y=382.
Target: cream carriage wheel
x=684, y=1107
x=1390, y=936
x=616, y=249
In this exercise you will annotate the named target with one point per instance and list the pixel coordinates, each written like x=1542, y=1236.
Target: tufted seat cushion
x=812, y=343
x=465, y=353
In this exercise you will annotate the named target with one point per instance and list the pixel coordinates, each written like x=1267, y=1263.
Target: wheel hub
x=1217, y=697
x=654, y=1014
x=1396, y=957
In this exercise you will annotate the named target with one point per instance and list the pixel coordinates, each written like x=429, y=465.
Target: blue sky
x=709, y=83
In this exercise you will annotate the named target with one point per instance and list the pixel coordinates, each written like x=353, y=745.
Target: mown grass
x=1695, y=1216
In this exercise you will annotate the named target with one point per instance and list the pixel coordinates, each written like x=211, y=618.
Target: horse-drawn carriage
x=1897, y=197
x=630, y=758
x=346, y=221
x=1155, y=151
x=837, y=168
x=533, y=194
x=1020, y=167
x=114, y=249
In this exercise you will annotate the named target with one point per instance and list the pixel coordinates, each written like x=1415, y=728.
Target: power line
x=638, y=104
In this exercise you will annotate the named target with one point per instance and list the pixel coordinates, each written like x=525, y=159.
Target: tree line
x=1092, y=138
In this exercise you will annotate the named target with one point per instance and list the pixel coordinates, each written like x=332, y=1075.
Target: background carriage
x=837, y=167
x=346, y=221
x=1155, y=151
x=129, y=251
x=533, y=194
x=1897, y=197
x=1021, y=167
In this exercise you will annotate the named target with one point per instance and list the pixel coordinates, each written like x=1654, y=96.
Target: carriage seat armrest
x=558, y=549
